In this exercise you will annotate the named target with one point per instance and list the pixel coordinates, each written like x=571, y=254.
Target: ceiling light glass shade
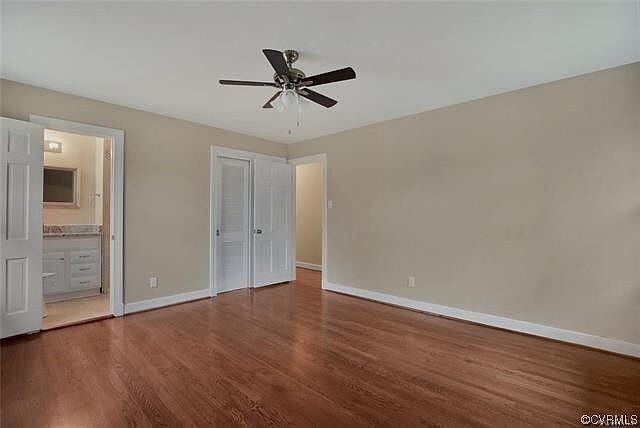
x=277, y=104
x=287, y=99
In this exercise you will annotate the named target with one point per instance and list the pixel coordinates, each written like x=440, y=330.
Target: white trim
x=116, y=288
x=585, y=339
x=213, y=219
x=243, y=155
x=311, y=266
x=159, y=302
x=215, y=152
x=322, y=158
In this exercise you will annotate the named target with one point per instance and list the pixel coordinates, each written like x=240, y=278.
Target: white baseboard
x=311, y=266
x=585, y=339
x=159, y=302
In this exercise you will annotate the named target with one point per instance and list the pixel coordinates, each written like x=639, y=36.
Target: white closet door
x=21, y=157
x=233, y=225
x=272, y=222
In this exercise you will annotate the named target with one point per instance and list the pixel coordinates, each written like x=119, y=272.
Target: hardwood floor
x=299, y=356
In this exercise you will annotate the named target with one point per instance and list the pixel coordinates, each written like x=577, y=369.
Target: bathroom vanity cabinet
x=75, y=261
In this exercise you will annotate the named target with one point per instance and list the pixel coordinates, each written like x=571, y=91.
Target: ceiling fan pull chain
x=299, y=110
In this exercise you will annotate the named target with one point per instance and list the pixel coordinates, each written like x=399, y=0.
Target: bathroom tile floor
x=72, y=311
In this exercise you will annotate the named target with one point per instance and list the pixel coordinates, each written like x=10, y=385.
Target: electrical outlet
x=412, y=281
x=153, y=282
x=330, y=204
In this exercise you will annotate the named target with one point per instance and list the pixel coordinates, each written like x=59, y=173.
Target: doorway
x=83, y=235
x=76, y=172
x=251, y=220
x=310, y=183
x=73, y=266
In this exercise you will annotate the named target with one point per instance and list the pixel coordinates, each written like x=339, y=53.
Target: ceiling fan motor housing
x=295, y=75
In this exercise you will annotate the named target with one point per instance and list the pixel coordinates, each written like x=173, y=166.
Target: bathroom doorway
x=82, y=223
x=74, y=259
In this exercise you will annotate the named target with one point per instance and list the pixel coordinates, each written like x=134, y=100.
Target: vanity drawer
x=83, y=282
x=84, y=269
x=83, y=256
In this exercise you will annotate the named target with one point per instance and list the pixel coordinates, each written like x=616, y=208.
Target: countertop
x=71, y=230
x=70, y=235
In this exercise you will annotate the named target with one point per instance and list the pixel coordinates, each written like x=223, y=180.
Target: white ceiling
x=409, y=57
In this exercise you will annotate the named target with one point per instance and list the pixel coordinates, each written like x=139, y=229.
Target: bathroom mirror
x=60, y=187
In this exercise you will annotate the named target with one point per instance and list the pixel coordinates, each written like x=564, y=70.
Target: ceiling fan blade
x=330, y=77
x=247, y=83
x=268, y=103
x=276, y=59
x=317, y=98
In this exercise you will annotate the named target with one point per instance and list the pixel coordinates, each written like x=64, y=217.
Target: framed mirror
x=61, y=187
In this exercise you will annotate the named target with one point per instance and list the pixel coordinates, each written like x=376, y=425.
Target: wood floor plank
x=295, y=355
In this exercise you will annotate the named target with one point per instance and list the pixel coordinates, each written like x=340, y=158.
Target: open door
x=21, y=157
x=272, y=222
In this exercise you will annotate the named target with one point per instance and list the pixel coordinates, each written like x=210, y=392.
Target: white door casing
x=21, y=157
x=116, y=199
x=322, y=158
x=272, y=222
x=232, y=231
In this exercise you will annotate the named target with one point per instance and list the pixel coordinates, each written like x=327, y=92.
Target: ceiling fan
x=292, y=81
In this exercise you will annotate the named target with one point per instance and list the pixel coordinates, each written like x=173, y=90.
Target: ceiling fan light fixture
x=288, y=99
x=293, y=84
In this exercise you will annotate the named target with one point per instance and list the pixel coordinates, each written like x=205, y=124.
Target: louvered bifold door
x=233, y=225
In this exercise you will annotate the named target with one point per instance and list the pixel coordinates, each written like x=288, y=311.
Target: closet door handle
x=258, y=231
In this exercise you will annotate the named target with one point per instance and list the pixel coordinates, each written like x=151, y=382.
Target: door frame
x=215, y=153
x=116, y=197
x=322, y=158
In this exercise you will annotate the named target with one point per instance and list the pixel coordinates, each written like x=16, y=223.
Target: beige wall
x=309, y=213
x=524, y=205
x=78, y=151
x=166, y=184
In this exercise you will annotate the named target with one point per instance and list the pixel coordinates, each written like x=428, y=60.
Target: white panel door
x=21, y=157
x=232, y=232
x=272, y=222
